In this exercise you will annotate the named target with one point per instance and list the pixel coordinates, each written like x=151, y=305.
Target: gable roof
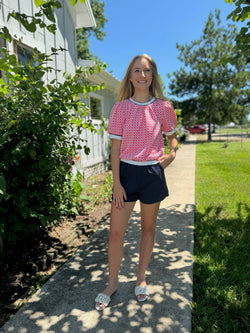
x=111, y=83
x=84, y=15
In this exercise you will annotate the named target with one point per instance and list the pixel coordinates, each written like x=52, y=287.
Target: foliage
x=107, y=187
x=242, y=13
x=72, y=197
x=40, y=127
x=84, y=34
x=222, y=239
x=214, y=91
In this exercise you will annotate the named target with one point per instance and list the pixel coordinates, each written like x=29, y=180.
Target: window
x=2, y=42
x=96, y=108
x=23, y=54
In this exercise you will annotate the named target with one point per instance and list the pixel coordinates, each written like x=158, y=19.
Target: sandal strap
x=139, y=290
x=103, y=299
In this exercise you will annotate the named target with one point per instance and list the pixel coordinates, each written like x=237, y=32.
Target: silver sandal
x=139, y=290
x=102, y=299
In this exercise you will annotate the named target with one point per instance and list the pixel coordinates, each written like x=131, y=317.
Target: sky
x=152, y=27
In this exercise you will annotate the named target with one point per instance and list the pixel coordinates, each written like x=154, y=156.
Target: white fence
x=98, y=158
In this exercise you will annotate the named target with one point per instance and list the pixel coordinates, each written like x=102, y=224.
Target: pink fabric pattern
x=140, y=128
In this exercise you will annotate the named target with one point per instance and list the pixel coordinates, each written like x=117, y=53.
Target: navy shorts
x=146, y=183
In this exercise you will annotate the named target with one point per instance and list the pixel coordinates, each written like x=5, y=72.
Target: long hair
x=126, y=87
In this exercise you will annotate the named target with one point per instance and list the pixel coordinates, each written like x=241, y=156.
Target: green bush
x=39, y=127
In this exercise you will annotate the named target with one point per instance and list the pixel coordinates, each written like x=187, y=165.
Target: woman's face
x=141, y=74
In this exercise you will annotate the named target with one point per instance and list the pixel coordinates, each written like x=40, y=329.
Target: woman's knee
x=148, y=231
x=116, y=235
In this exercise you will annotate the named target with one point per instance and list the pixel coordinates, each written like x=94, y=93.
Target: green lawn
x=222, y=239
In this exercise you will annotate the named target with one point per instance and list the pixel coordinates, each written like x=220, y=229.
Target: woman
x=138, y=160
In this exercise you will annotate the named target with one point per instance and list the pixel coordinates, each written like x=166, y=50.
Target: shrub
x=39, y=127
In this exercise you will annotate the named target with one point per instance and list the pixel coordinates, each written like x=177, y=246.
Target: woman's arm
x=165, y=160
x=119, y=193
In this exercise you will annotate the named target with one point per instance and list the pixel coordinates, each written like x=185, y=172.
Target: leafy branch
x=241, y=13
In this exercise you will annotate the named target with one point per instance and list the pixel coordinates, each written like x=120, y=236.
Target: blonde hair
x=126, y=87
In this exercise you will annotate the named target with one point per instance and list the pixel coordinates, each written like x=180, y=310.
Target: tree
x=83, y=34
x=212, y=90
x=242, y=13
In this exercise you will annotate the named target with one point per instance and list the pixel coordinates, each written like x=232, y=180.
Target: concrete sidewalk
x=66, y=302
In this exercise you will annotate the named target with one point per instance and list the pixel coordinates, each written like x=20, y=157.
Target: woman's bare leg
x=148, y=223
x=118, y=226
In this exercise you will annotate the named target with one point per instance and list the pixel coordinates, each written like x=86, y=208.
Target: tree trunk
x=209, y=136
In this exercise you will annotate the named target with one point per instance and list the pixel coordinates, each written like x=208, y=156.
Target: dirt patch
x=30, y=264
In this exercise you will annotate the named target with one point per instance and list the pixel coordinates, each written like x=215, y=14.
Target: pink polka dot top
x=140, y=127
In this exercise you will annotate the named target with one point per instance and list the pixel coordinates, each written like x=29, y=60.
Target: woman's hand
x=119, y=195
x=165, y=160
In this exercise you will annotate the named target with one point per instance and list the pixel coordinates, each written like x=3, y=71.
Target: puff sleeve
x=169, y=121
x=116, y=121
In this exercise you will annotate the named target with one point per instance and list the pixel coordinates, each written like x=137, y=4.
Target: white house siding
x=65, y=37
x=42, y=39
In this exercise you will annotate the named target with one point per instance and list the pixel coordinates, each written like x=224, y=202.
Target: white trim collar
x=147, y=103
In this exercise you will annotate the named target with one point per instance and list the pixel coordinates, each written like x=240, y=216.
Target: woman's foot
x=141, y=291
x=103, y=299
